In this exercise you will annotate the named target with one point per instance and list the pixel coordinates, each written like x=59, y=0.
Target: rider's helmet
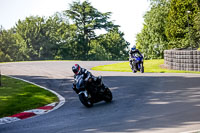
x=76, y=69
x=133, y=48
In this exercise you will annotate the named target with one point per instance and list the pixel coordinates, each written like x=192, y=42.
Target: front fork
x=85, y=93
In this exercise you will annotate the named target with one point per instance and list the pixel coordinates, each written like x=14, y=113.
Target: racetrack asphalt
x=142, y=103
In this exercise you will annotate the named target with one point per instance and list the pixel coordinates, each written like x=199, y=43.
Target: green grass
x=17, y=96
x=150, y=66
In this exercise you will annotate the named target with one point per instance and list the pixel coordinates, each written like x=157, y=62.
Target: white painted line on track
x=6, y=120
x=37, y=111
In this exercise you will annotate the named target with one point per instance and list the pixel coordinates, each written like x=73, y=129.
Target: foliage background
x=66, y=35
x=168, y=25
x=71, y=34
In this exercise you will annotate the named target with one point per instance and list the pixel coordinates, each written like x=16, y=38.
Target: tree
x=40, y=38
x=8, y=45
x=197, y=28
x=152, y=40
x=87, y=19
x=31, y=32
x=197, y=23
x=180, y=28
x=115, y=45
x=54, y=30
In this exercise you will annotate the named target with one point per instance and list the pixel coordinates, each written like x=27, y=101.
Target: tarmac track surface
x=148, y=102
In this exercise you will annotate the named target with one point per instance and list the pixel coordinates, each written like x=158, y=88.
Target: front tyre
x=134, y=71
x=85, y=101
x=108, y=95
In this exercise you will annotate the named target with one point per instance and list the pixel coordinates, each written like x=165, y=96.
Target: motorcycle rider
x=88, y=77
x=134, y=53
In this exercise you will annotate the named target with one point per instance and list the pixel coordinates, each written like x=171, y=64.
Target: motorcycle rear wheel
x=142, y=68
x=108, y=95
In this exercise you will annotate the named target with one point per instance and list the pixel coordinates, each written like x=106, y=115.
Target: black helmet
x=76, y=68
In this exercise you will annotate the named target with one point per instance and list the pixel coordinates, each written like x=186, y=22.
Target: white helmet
x=133, y=48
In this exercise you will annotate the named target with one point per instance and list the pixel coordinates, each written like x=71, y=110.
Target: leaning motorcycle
x=90, y=92
x=138, y=61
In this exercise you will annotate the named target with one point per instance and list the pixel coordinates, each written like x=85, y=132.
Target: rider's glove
x=75, y=89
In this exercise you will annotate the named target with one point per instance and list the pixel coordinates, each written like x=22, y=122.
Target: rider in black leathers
x=133, y=53
x=88, y=77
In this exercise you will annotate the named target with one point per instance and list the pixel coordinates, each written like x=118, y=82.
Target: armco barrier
x=188, y=60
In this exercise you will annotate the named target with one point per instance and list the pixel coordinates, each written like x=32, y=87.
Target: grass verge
x=17, y=96
x=150, y=66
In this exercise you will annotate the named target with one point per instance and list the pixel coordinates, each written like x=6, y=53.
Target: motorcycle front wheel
x=134, y=71
x=85, y=101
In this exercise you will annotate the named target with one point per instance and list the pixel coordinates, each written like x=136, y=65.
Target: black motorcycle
x=92, y=92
